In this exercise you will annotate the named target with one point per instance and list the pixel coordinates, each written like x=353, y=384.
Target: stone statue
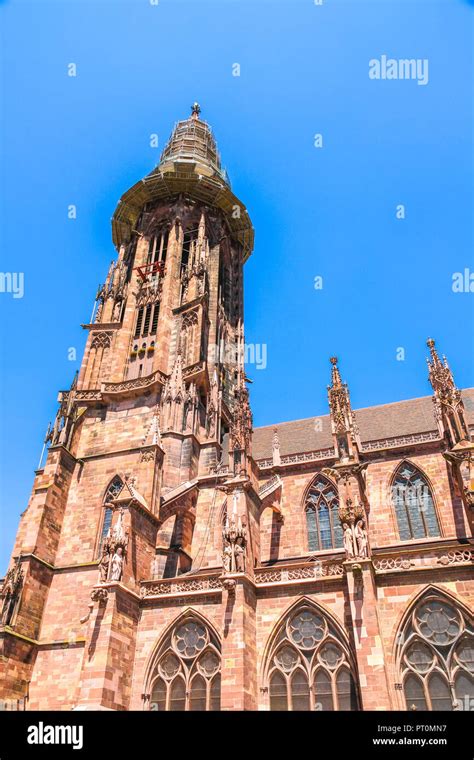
x=211, y=423
x=117, y=562
x=8, y=609
x=348, y=541
x=188, y=424
x=104, y=566
x=361, y=538
x=234, y=536
x=11, y=591
x=239, y=553
x=227, y=559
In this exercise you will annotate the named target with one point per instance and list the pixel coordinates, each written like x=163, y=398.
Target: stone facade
x=171, y=557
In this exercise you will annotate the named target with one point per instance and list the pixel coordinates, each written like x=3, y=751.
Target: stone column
x=239, y=646
x=371, y=664
x=107, y=667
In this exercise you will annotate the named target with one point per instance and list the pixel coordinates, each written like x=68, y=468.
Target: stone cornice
x=7, y=631
x=57, y=568
x=134, y=387
x=318, y=455
x=102, y=326
x=102, y=454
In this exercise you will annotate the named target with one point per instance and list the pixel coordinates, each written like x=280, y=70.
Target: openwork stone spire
x=448, y=403
x=343, y=424
x=192, y=141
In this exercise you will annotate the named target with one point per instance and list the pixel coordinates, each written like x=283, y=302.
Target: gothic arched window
x=310, y=666
x=186, y=675
x=436, y=656
x=414, y=504
x=189, y=338
x=112, y=492
x=98, y=357
x=322, y=518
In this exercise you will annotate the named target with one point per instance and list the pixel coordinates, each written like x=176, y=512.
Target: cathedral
x=172, y=557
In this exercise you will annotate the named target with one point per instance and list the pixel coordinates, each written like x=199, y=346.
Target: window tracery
x=187, y=672
x=310, y=667
x=437, y=657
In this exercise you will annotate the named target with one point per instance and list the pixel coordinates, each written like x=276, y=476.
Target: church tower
x=156, y=418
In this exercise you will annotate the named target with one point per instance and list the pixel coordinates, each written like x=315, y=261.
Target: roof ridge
x=360, y=409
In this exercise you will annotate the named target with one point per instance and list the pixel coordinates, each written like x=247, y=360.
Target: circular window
x=286, y=658
x=209, y=664
x=330, y=655
x=190, y=639
x=438, y=622
x=169, y=666
x=306, y=628
x=420, y=657
x=465, y=654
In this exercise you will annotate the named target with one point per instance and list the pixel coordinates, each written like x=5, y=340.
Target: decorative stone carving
x=114, y=550
x=173, y=586
x=213, y=406
x=393, y=563
x=116, y=565
x=61, y=431
x=101, y=340
x=343, y=423
x=104, y=565
x=147, y=455
x=315, y=570
x=457, y=557
x=11, y=592
x=99, y=595
x=356, y=543
x=234, y=537
x=229, y=585
x=447, y=399
x=276, y=458
x=136, y=383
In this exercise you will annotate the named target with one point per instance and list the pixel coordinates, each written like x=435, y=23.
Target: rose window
x=306, y=629
x=190, y=639
x=438, y=622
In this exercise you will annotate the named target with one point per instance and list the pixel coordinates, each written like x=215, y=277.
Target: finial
x=434, y=354
x=336, y=377
x=195, y=110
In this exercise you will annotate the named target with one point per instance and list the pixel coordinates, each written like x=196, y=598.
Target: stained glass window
x=322, y=519
x=437, y=656
x=187, y=671
x=413, y=502
x=310, y=666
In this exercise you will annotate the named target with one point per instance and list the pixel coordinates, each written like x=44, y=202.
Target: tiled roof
x=400, y=418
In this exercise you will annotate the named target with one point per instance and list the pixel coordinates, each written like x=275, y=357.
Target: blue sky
x=329, y=212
